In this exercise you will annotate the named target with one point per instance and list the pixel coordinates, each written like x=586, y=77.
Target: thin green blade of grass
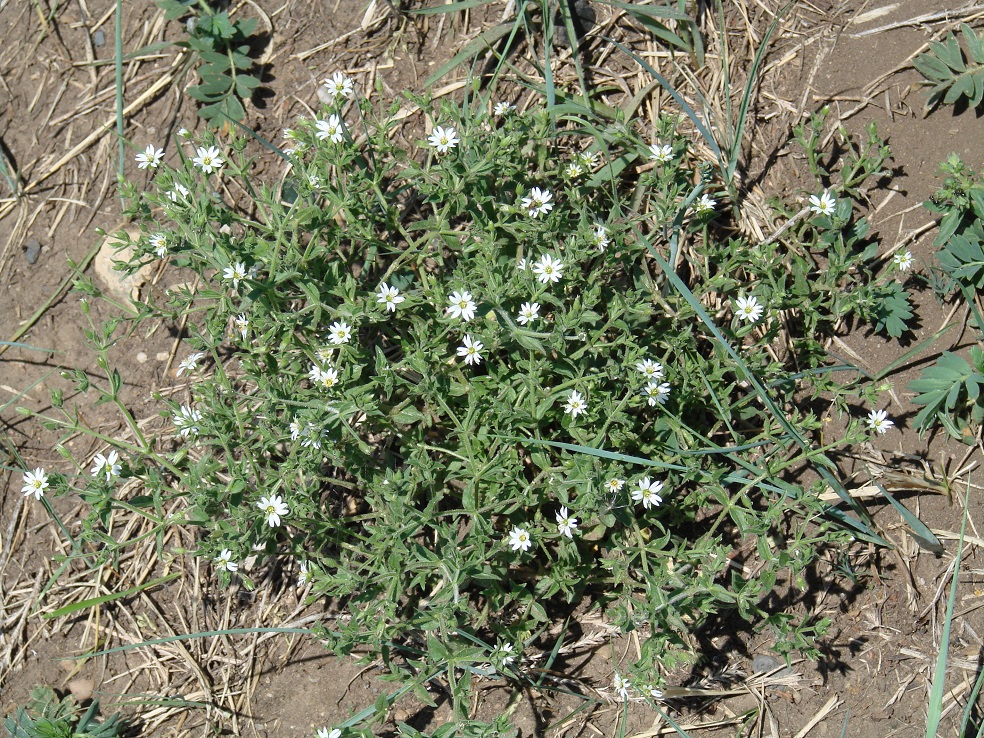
x=935, y=706
x=965, y=723
x=29, y=347
x=94, y=601
x=917, y=529
x=450, y=7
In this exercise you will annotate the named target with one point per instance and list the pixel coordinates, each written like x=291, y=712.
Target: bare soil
x=876, y=665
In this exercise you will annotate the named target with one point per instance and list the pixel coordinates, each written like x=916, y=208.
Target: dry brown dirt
x=876, y=665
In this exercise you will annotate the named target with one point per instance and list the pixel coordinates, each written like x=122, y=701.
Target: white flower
x=35, y=483
x=521, y=265
x=600, y=239
x=324, y=354
x=824, y=204
x=566, y=525
x=339, y=86
x=184, y=132
x=235, y=272
x=461, y=305
x=528, y=312
x=878, y=421
x=242, y=324
x=149, y=157
x=190, y=364
x=273, y=508
x=339, y=332
x=614, y=485
x=657, y=393
x=503, y=108
x=574, y=170
x=621, y=686
x=326, y=378
x=108, y=464
x=179, y=191
x=904, y=261
x=330, y=129
x=575, y=404
x=208, y=160
x=660, y=153
x=158, y=243
x=548, y=269
x=325, y=733
x=311, y=436
x=224, y=560
x=295, y=429
x=443, y=139
x=186, y=421
x=748, y=309
x=588, y=159
x=651, y=370
x=648, y=492
x=519, y=538
x=389, y=296
x=314, y=181
x=504, y=653
x=704, y=204
x=303, y=573
x=470, y=350
x=538, y=202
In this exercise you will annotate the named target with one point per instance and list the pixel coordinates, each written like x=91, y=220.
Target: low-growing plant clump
x=467, y=388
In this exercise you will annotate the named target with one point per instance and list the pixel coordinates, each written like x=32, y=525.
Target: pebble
x=99, y=39
x=32, y=250
x=162, y=356
x=142, y=357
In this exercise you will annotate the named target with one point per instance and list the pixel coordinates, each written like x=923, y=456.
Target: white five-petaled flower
x=600, y=238
x=503, y=108
x=338, y=85
x=748, y=309
x=574, y=170
x=656, y=393
x=528, y=312
x=273, y=508
x=224, y=560
x=106, y=464
x=566, y=525
x=235, y=272
x=183, y=133
x=621, y=686
x=443, y=139
x=326, y=378
x=330, y=129
x=339, y=332
x=588, y=159
x=149, y=157
x=186, y=421
x=538, y=202
x=704, y=204
x=504, y=653
x=660, y=153
x=314, y=181
x=878, y=421
x=461, y=305
x=614, y=485
x=389, y=296
x=295, y=429
x=303, y=573
x=311, y=436
x=521, y=265
x=242, y=324
x=158, y=243
x=648, y=492
x=519, y=538
x=823, y=204
x=35, y=483
x=651, y=370
x=548, y=269
x=904, y=261
x=179, y=192
x=469, y=350
x=333, y=733
x=208, y=160
x=190, y=364
x=575, y=404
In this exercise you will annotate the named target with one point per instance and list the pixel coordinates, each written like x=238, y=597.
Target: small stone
x=81, y=689
x=120, y=285
x=32, y=250
x=98, y=39
x=142, y=357
x=162, y=355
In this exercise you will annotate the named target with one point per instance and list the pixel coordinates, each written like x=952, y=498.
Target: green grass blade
x=917, y=529
x=935, y=706
x=450, y=7
x=119, y=85
x=76, y=606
